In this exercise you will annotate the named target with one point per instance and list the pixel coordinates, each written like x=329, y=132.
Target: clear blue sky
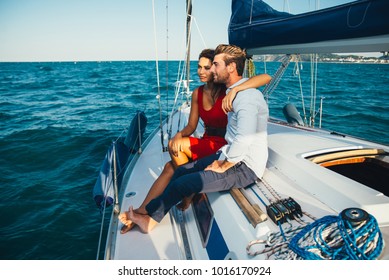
x=75, y=30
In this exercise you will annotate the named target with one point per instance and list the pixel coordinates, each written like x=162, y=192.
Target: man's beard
x=220, y=79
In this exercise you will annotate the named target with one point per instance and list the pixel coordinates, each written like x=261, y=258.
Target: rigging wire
x=167, y=58
x=198, y=30
x=158, y=82
x=264, y=64
x=272, y=85
x=188, y=40
x=101, y=233
x=297, y=71
x=314, y=62
x=183, y=83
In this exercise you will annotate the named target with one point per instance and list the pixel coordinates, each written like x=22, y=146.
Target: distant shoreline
x=330, y=58
x=268, y=58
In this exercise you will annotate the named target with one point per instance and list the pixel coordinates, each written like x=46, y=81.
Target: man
x=237, y=164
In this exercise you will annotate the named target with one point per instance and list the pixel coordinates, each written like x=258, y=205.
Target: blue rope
x=257, y=195
x=331, y=237
x=281, y=230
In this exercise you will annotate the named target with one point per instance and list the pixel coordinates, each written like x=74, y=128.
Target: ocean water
x=57, y=121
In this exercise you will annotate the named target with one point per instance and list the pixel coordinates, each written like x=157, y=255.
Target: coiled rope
x=340, y=238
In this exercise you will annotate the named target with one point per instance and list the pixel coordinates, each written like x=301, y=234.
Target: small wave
x=6, y=116
x=95, y=75
x=46, y=68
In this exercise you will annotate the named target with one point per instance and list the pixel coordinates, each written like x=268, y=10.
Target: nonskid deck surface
x=161, y=242
x=318, y=191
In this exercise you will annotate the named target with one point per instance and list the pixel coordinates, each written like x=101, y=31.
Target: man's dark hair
x=233, y=54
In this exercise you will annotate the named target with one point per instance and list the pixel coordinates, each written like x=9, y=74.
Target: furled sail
x=358, y=26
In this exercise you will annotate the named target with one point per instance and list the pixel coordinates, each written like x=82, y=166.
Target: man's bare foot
x=145, y=222
x=141, y=211
x=185, y=202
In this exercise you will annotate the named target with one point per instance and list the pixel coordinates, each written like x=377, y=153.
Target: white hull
x=318, y=190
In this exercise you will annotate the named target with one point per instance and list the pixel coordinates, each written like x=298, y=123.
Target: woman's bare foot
x=127, y=223
x=145, y=222
x=184, y=204
x=127, y=228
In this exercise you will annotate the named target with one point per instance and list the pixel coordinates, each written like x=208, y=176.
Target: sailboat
x=324, y=195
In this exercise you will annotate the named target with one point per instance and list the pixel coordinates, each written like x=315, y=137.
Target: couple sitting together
x=231, y=153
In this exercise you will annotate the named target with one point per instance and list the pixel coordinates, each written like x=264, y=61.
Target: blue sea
x=58, y=119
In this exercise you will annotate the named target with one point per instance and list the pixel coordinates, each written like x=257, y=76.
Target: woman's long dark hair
x=216, y=88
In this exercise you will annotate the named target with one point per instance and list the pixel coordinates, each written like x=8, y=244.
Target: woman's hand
x=174, y=144
x=228, y=99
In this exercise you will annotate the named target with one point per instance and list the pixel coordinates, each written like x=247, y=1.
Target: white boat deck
x=161, y=242
x=319, y=191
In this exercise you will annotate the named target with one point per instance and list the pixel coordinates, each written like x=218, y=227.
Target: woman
x=207, y=104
